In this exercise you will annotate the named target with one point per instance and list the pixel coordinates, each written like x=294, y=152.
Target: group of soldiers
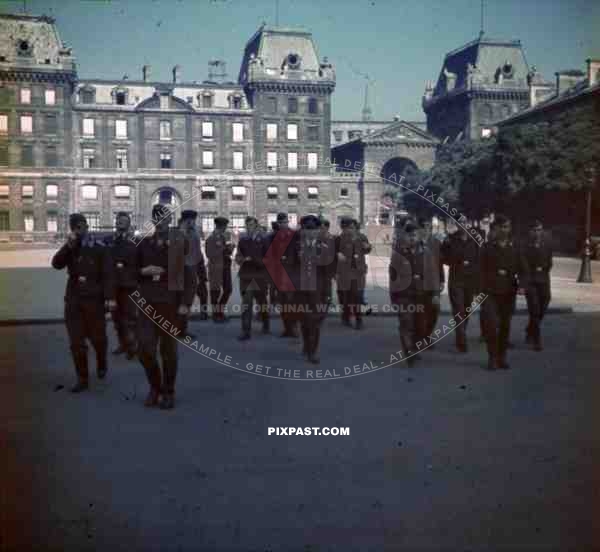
x=494, y=270
x=288, y=270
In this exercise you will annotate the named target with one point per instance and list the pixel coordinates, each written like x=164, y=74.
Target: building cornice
x=24, y=75
x=295, y=87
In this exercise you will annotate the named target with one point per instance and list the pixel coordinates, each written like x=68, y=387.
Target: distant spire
x=366, y=110
x=481, y=32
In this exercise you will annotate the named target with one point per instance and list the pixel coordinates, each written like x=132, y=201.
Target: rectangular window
x=122, y=159
x=27, y=156
x=208, y=223
x=164, y=101
x=27, y=191
x=236, y=102
x=50, y=124
x=292, y=131
x=292, y=192
x=26, y=124
x=93, y=220
x=51, y=222
x=51, y=191
x=271, y=160
x=238, y=160
x=4, y=191
x=313, y=192
x=165, y=130
x=313, y=106
x=120, y=128
x=344, y=192
x=271, y=105
x=89, y=192
x=292, y=161
x=165, y=161
x=50, y=97
x=271, y=131
x=272, y=192
x=312, y=133
x=207, y=129
x=87, y=96
x=89, y=158
x=25, y=95
x=28, y=222
x=122, y=191
x=292, y=105
x=51, y=156
x=120, y=98
x=206, y=101
x=238, y=193
x=208, y=192
x=3, y=124
x=312, y=161
x=337, y=135
x=4, y=221
x=208, y=159
x=238, y=132
x=88, y=127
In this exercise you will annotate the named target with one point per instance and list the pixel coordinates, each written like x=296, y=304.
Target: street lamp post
x=585, y=272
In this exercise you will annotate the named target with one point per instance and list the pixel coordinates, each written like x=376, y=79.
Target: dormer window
x=293, y=61
x=507, y=70
x=120, y=98
x=235, y=101
x=87, y=95
x=24, y=48
x=164, y=101
x=206, y=99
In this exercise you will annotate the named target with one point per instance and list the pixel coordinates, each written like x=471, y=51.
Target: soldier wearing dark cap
x=282, y=263
x=461, y=253
x=407, y=286
x=90, y=289
x=499, y=269
x=123, y=252
x=166, y=289
x=314, y=256
x=195, y=259
x=252, y=247
x=219, y=249
x=535, y=264
x=351, y=272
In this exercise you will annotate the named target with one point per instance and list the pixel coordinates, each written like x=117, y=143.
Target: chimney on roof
x=593, y=71
x=146, y=70
x=177, y=74
x=567, y=79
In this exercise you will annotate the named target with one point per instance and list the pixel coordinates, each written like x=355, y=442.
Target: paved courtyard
x=442, y=456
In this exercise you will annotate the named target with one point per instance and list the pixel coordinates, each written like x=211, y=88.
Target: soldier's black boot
x=81, y=367
x=152, y=399
x=101, y=366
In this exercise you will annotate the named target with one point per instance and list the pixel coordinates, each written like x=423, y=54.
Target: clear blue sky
x=398, y=44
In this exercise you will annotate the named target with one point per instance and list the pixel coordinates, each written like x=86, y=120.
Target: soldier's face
x=412, y=239
x=80, y=229
x=251, y=226
x=188, y=224
x=123, y=224
x=503, y=231
x=537, y=232
x=426, y=230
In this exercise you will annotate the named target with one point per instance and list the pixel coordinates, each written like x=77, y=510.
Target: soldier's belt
x=156, y=278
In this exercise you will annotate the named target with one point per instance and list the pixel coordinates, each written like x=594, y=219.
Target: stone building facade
x=100, y=146
x=479, y=84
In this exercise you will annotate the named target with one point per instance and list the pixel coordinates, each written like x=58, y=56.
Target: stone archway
x=168, y=196
x=395, y=171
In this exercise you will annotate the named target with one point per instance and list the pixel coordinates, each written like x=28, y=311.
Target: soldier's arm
x=62, y=256
x=108, y=274
x=484, y=266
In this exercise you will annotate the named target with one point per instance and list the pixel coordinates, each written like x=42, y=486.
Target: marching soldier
x=461, y=254
x=328, y=241
x=350, y=272
x=251, y=251
x=90, y=288
x=406, y=289
x=499, y=268
x=123, y=252
x=534, y=278
x=432, y=295
x=366, y=249
x=166, y=289
x=219, y=249
x=314, y=258
x=282, y=262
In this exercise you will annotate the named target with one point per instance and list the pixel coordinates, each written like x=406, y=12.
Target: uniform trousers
x=538, y=298
x=461, y=298
x=125, y=318
x=497, y=314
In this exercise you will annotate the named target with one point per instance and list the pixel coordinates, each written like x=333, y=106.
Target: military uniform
x=123, y=253
x=499, y=268
x=351, y=271
x=462, y=257
x=253, y=279
x=90, y=283
x=436, y=278
x=406, y=274
x=160, y=322
x=219, y=248
x=535, y=264
x=328, y=242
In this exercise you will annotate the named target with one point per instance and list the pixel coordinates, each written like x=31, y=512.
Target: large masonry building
x=100, y=146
